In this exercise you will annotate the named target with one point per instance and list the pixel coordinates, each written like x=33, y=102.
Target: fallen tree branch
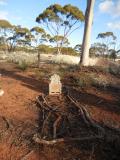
x=86, y=116
x=55, y=126
x=44, y=123
x=79, y=107
x=60, y=140
x=41, y=104
x=25, y=157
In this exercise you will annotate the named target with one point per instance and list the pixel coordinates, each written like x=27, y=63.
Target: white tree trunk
x=84, y=60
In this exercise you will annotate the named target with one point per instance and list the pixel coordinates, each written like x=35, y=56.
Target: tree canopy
x=61, y=20
x=106, y=35
x=5, y=24
x=108, y=39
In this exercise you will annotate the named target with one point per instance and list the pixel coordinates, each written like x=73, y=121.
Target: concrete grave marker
x=55, y=86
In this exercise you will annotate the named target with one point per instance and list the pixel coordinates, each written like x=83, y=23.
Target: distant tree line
x=59, y=22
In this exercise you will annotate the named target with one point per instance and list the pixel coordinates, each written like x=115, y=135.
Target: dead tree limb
x=28, y=154
x=79, y=107
x=44, y=123
x=86, y=116
x=55, y=126
x=41, y=104
x=60, y=140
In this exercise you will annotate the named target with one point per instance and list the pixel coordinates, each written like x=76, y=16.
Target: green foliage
x=19, y=31
x=73, y=12
x=109, y=40
x=4, y=24
x=68, y=51
x=45, y=49
x=81, y=80
x=23, y=65
x=40, y=35
x=50, y=50
x=107, y=34
x=52, y=13
x=113, y=54
x=114, y=69
x=59, y=39
x=61, y=21
x=98, y=49
x=38, y=30
x=19, y=36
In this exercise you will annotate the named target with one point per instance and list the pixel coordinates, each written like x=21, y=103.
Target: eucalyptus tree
x=97, y=49
x=109, y=39
x=40, y=36
x=84, y=60
x=5, y=28
x=114, y=53
x=58, y=40
x=61, y=20
x=19, y=37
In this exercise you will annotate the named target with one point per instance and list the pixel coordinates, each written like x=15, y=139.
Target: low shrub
x=23, y=65
x=114, y=69
x=82, y=79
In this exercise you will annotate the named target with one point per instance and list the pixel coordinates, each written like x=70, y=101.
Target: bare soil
x=19, y=117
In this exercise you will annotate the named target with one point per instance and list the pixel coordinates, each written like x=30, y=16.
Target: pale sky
x=24, y=12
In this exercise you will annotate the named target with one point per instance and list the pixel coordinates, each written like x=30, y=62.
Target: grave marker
x=55, y=86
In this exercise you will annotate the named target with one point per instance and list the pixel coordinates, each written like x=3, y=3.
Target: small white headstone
x=55, y=86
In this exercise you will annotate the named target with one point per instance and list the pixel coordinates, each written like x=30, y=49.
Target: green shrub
x=23, y=65
x=82, y=79
x=114, y=69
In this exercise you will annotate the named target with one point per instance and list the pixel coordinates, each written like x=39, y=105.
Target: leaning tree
x=84, y=60
x=61, y=21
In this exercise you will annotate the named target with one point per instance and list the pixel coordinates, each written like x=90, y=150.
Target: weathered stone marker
x=55, y=86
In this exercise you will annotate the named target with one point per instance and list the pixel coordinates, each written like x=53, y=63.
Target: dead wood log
x=7, y=123
x=41, y=104
x=86, y=116
x=49, y=106
x=27, y=155
x=44, y=104
x=60, y=140
x=44, y=123
x=55, y=125
x=79, y=107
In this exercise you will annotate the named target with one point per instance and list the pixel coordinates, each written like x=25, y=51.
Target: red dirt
x=19, y=115
x=17, y=106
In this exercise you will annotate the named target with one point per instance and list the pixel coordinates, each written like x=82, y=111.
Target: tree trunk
x=58, y=51
x=84, y=60
x=38, y=59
